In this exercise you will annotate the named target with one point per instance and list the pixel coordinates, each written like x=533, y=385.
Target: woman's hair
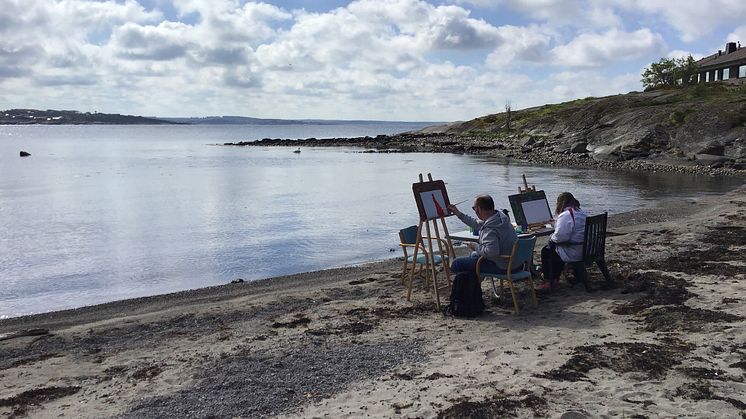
x=564, y=200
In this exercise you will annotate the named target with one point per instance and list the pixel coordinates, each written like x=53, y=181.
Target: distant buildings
x=728, y=65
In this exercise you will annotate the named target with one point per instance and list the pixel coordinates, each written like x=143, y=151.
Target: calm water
x=101, y=213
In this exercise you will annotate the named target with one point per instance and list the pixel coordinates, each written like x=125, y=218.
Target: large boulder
x=715, y=148
x=24, y=153
x=579, y=147
x=710, y=159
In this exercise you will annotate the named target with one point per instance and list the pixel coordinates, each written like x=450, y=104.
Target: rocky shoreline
x=528, y=149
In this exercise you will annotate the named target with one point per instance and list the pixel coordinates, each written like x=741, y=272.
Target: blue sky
x=409, y=60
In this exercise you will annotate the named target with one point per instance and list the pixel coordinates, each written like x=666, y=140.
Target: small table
x=468, y=236
x=464, y=236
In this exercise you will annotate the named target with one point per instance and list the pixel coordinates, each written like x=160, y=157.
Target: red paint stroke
x=438, y=208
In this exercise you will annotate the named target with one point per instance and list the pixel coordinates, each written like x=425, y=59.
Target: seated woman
x=566, y=243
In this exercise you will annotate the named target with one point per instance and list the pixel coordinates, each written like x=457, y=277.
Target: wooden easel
x=525, y=186
x=431, y=255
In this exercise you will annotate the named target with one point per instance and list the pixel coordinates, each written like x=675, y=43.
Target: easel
x=431, y=255
x=525, y=188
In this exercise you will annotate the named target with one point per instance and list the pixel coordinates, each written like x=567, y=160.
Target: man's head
x=484, y=207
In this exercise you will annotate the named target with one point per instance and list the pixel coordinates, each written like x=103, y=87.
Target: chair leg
x=494, y=288
x=515, y=298
x=581, y=274
x=533, y=291
x=604, y=270
x=404, y=271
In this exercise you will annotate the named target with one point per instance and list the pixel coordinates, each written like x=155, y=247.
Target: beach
x=667, y=341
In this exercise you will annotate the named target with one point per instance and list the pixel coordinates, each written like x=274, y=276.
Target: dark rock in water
x=579, y=147
x=25, y=154
x=237, y=281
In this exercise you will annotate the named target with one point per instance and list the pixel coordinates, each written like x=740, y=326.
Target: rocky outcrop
x=697, y=129
x=24, y=153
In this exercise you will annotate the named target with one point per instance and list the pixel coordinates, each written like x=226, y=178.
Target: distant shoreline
x=64, y=117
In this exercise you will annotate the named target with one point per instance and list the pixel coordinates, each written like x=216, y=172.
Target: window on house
x=742, y=71
x=726, y=73
x=716, y=76
x=707, y=76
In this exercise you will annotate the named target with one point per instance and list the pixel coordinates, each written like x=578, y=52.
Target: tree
x=508, y=108
x=669, y=71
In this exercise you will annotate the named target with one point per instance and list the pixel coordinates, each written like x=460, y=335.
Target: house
x=728, y=65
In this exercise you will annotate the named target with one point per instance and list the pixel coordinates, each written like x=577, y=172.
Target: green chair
x=519, y=260
x=408, y=240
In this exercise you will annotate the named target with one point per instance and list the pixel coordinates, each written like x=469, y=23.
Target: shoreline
x=536, y=152
x=158, y=302
x=669, y=340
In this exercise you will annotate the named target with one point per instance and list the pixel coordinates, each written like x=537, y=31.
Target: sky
x=397, y=60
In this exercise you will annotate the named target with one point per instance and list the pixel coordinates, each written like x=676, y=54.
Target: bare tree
x=507, y=113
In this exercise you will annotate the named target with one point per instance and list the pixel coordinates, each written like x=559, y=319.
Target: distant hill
x=55, y=117
x=244, y=120
x=61, y=117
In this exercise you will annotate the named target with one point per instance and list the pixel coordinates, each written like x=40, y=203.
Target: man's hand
x=453, y=209
x=472, y=246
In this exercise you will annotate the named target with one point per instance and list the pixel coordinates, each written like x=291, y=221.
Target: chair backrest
x=408, y=235
x=594, y=241
x=523, y=250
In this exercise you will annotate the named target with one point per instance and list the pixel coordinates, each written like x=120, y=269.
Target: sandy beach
x=667, y=341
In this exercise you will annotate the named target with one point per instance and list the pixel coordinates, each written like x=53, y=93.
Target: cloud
x=575, y=13
x=166, y=41
x=595, y=50
x=677, y=53
x=528, y=44
x=692, y=18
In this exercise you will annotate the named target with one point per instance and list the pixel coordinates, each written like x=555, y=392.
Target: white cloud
x=575, y=13
x=595, y=50
x=677, y=53
x=528, y=44
x=693, y=19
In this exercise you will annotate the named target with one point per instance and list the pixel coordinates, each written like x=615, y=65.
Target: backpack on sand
x=466, y=296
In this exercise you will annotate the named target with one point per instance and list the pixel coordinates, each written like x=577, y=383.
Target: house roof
x=721, y=60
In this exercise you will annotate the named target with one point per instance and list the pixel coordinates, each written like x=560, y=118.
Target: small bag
x=466, y=296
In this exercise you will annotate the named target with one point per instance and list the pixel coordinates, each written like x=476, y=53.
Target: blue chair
x=408, y=239
x=519, y=260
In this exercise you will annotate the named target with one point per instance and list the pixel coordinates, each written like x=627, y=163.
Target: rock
x=560, y=149
x=710, y=160
x=526, y=142
x=608, y=153
x=579, y=147
x=715, y=148
x=25, y=154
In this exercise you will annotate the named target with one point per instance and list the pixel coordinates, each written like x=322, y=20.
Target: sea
x=101, y=213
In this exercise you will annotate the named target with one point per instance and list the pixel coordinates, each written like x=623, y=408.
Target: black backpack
x=466, y=296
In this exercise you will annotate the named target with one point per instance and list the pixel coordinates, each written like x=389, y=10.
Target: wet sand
x=667, y=341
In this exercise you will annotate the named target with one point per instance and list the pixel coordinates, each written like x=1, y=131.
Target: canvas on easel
x=432, y=202
x=432, y=199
